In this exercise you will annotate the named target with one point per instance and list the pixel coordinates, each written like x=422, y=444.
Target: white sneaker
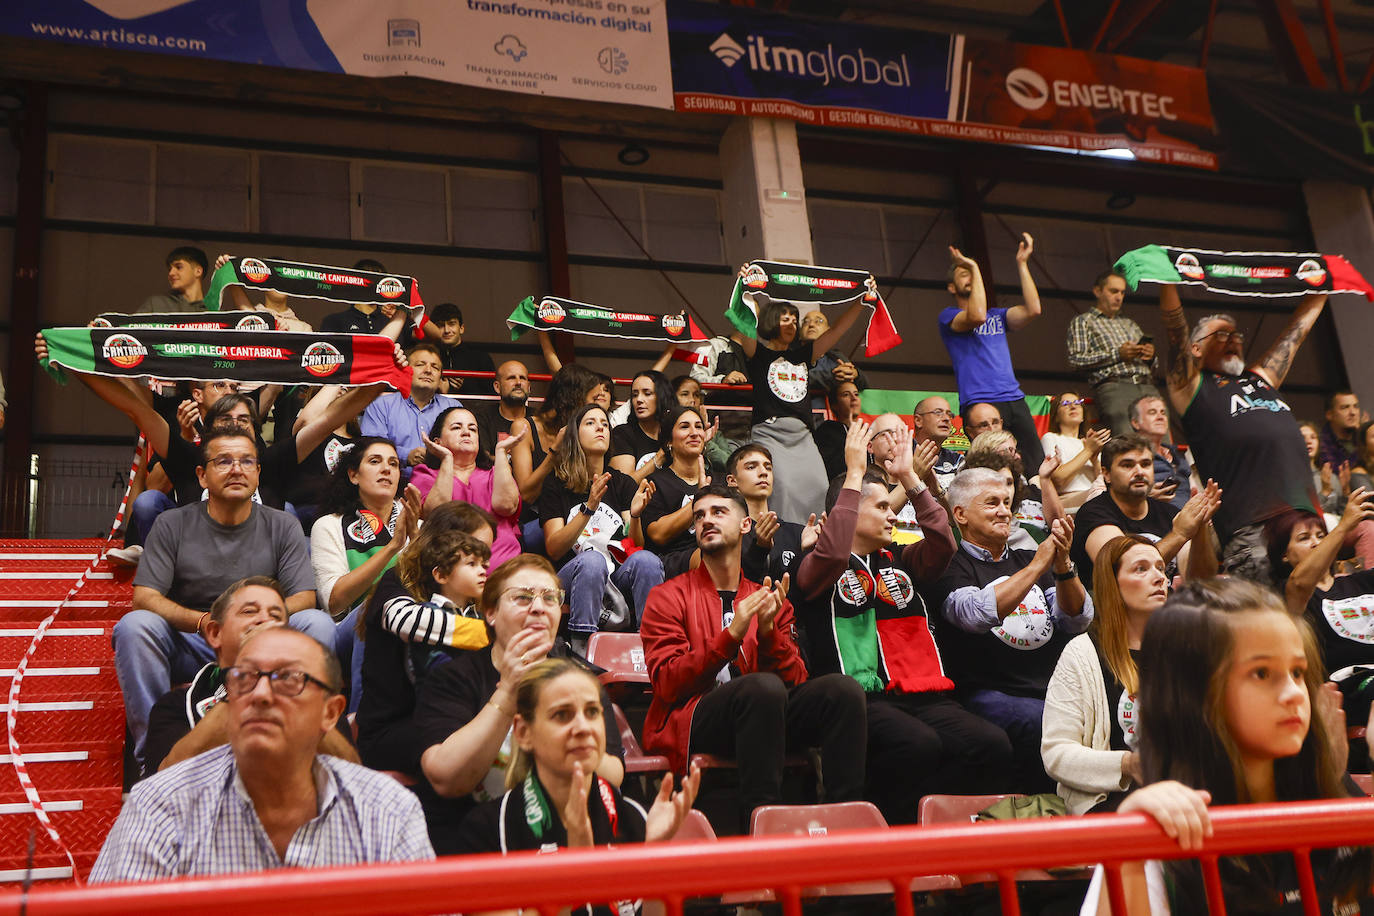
x=125, y=556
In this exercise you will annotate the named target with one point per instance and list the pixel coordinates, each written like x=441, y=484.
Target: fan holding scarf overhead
x=765, y=308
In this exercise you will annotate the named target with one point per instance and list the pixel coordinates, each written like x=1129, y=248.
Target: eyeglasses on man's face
x=285, y=682
x=937, y=412
x=225, y=462
x=1223, y=335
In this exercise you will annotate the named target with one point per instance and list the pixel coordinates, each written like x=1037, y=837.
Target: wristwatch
x=1066, y=576
x=583, y=510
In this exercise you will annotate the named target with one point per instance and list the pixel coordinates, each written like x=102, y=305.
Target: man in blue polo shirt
x=407, y=420
x=976, y=338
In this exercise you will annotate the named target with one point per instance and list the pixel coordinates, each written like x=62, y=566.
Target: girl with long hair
x=634, y=444
x=1234, y=711
x=1091, y=705
x=588, y=510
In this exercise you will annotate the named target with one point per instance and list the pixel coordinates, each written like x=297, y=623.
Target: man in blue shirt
x=406, y=420
x=976, y=338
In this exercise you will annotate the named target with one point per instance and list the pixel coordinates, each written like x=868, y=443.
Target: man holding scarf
x=858, y=602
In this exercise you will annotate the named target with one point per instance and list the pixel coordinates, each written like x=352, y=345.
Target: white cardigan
x=1076, y=730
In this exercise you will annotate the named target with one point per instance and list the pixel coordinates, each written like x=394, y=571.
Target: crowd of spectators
x=931, y=620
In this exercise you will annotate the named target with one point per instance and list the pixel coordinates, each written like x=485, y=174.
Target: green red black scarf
x=1273, y=274
x=763, y=282
x=554, y=314
x=282, y=357
x=239, y=320
x=318, y=281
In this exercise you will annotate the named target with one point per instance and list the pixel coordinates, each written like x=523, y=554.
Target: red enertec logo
x=321, y=359
x=254, y=270
x=123, y=350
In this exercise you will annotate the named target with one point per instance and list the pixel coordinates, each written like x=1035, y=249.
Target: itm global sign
x=829, y=65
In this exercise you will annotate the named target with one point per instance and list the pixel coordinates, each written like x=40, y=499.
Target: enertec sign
x=1031, y=91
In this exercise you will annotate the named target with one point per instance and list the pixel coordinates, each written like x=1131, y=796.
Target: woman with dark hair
x=779, y=367
x=395, y=621
x=571, y=387
x=1234, y=712
x=588, y=510
x=667, y=518
x=634, y=444
x=466, y=473
x=1330, y=484
x=1362, y=474
x=559, y=739
x=362, y=529
x=465, y=709
x=1079, y=475
x=1091, y=711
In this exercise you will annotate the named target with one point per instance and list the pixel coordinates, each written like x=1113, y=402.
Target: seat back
x=814, y=820
x=1365, y=781
x=947, y=809
x=695, y=826
x=621, y=654
x=628, y=741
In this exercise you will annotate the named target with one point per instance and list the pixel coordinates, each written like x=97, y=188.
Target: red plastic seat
x=695, y=826
x=636, y=761
x=962, y=809
x=1365, y=781
x=622, y=655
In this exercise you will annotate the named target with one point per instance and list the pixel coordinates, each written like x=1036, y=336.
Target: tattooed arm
x=1276, y=363
x=1183, y=368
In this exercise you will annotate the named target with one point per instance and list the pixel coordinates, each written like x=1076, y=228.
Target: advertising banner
x=733, y=60
x=596, y=50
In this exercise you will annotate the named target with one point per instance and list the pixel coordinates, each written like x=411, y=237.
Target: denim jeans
x=584, y=577
x=348, y=645
x=1020, y=718
x=151, y=655
x=147, y=506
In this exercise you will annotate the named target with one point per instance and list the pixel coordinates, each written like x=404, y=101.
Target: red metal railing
x=678, y=872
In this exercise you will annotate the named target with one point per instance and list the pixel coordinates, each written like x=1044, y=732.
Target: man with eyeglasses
x=268, y=799
x=1113, y=353
x=1242, y=433
x=933, y=421
x=729, y=679
x=193, y=554
x=190, y=720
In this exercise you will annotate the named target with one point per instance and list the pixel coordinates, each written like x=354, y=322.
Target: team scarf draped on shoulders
x=764, y=282
x=278, y=357
x=553, y=314
x=318, y=281
x=1271, y=274
x=238, y=320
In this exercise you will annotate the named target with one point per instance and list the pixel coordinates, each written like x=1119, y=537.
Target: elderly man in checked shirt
x=267, y=799
x=1114, y=353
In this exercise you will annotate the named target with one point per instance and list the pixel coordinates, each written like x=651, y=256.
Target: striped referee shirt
x=196, y=819
x=1095, y=346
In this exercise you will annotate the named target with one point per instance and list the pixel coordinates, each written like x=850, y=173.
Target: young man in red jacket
x=728, y=678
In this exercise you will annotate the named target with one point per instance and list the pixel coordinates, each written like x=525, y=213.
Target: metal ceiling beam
x=1144, y=12
x=1288, y=38
x=1333, y=41
x=1207, y=36
x=1063, y=23
x=1106, y=24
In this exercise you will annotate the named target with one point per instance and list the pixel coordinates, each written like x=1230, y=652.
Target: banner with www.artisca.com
x=595, y=50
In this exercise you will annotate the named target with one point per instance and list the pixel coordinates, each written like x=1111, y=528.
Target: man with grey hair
x=268, y=799
x=1010, y=613
x=1242, y=433
x=1173, y=474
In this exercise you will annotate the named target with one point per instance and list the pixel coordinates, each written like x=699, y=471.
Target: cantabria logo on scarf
x=551, y=312
x=755, y=277
x=101, y=323
x=254, y=270
x=1029, y=626
x=1311, y=273
x=123, y=350
x=855, y=587
x=390, y=287
x=362, y=531
x=1188, y=266
x=252, y=323
x=674, y=325
x=321, y=359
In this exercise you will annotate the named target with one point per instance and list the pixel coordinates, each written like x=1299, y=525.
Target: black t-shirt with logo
x=671, y=493
x=780, y=380
x=629, y=439
x=312, y=477
x=556, y=501
x=1343, y=618
x=1103, y=510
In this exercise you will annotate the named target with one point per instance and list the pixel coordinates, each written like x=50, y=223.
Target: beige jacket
x=1076, y=730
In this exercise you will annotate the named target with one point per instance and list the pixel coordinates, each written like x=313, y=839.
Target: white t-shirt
x=1154, y=884
x=1069, y=448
